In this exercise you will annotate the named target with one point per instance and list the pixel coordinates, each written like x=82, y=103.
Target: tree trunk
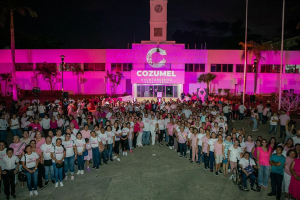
x=255, y=78
x=13, y=55
x=78, y=83
x=208, y=89
x=50, y=83
x=5, y=88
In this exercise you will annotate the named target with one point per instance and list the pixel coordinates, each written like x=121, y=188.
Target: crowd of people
x=54, y=140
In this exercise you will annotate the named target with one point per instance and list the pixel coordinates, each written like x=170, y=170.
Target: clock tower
x=158, y=21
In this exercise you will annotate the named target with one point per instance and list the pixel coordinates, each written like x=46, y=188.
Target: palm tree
x=77, y=70
x=257, y=50
x=47, y=72
x=7, y=8
x=7, y=78
x=115, y=80
x=206, y=78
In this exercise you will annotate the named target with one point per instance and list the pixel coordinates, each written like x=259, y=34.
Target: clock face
x=158, y=8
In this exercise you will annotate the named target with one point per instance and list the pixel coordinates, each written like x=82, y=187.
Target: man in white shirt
x=242, y=109
x=296, y=139
x=226, y=111
x=187, y=111
x=260, y=108
x=146, y=129
x=3, y=128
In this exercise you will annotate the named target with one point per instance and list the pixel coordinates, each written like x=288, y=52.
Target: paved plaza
x=152, y=173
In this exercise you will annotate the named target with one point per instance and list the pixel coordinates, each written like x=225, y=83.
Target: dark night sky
x=114, y=23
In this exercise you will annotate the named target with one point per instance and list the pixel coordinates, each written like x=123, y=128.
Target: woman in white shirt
x=161, y=129
x=71, y=152
x=273, y=123
x=200, y=136
x=110, y=142
x=80, y=148
x=30, y=163
x=14, y=126
x=103, y=145
x=58, y=154
x=234, y=154
x=118, y=134
x=124, y=138
x=46, y=159
x=45, y=124
x=211, y=149
x=94, y=141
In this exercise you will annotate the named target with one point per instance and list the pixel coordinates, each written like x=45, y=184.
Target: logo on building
x=152, y=61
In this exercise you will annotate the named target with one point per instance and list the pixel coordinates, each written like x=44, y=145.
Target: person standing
x=296, y=138
x=10, y=169
x=260, y=108
x=182, y=139
x=283, y=119
x=295, y=180
x=3, y=128
x=242, y=109
x=277, y=162
x=273, y=123
x=46, y=160
x=30, y=163
x=263, y=164
x=146, y=129
x=14, y=126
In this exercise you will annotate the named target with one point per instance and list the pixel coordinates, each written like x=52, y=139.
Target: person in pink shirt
x=205, y=141
x=263, y=157
x=74, y=121
x=60, y=122
x=53, y=125
x=182, y=140
x=218, y=151
x=249, y=145
x=36, y=124
x=290, y=156
x=86, y=133
x=170, y=131
x=39, y=140
x=194, y=143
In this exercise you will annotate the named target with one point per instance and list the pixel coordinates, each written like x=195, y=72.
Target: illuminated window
x=70, y=66
x=221, y=68
x=94, y=66
x=24, y=66
x=126, y=67
x=240, y=68
x=292, y=69
x=270, y=68
x=195, y=67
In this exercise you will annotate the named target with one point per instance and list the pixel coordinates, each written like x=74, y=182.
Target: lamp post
x=281, y=60
x=245, y=64
x=62, y=76
x=255, y=73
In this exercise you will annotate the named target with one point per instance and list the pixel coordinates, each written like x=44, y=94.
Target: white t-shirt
x=103, y=138
x=46, y=149
x=94, y=141
x=58, y=152
x=110, y=137
x=153, y=122
x=54, y=139
x=242, y=109
x=71, y=138
x=125, y=131
x=273, y=118
x=245, y=162
x=79, y=145
x=69, y=146
x=30, y=159
x=2, y=153
x=45, y=123
x=147, y=123
x=200, y=136
x=296, y=140
x=234, y=153
x=161, y=124
x=211, y=142
x=243, y=146
x=41, y=109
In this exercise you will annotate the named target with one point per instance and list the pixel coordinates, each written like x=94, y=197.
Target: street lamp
x=62, y=76
x=255, y=73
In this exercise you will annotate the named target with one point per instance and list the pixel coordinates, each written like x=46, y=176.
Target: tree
x=115, y=80
x=7, y=8
x=7, y=78
x=77, y=70
x=289, y=101
x=257, y=50
x=48, y=73
x=207, y=78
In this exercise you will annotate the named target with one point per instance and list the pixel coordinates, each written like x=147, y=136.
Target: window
x=270, y=68
x=48, y=64
x=94, y=66
x=127, y=67
x=70, y=66
x=292, y=69
x=221, y=68
x=195, y=67
x=24, y=66
x=240, y=68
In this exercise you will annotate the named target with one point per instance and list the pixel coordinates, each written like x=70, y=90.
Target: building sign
x=153, y=63
x=157, y=77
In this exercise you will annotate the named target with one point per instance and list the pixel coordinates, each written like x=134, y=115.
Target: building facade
x=155, y=67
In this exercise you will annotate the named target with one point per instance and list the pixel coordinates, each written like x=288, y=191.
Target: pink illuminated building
x=155, y=66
